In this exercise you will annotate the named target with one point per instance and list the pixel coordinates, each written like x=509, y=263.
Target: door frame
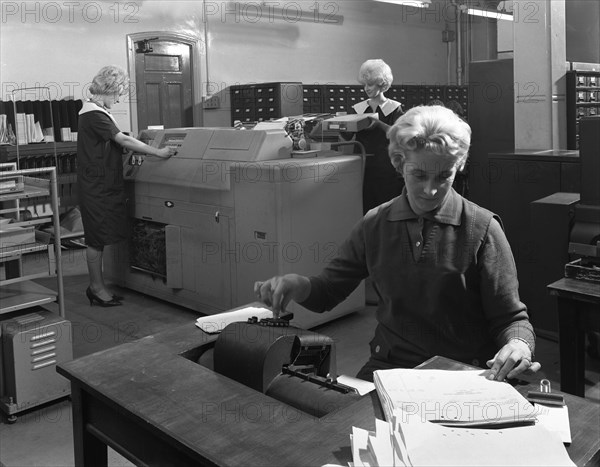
x=195, y=61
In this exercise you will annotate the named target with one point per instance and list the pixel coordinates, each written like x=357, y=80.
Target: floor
x=43, y=436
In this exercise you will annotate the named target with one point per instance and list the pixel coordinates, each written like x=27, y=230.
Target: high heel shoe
x=92, y=297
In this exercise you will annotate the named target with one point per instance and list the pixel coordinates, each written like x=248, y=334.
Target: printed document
x=461, y=398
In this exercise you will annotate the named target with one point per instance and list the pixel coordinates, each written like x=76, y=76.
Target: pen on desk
x=487, y=424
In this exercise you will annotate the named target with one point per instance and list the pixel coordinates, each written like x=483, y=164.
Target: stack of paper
x=21, y=128
x=430, y=444
x=440, y=417
x=3, y=129
x=459, y=398
x=433, y=444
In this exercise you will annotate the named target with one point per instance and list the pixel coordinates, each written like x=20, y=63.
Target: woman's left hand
x=511, y=360
x=373, y=123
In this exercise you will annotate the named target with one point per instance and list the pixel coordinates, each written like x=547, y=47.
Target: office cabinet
x=341, y=97
x=518, y=179
x=312, y=98
x=491, y=117
x=30, y=345
x=551, y=221
x=583, y=98
x=333, y=98
x=265, y=101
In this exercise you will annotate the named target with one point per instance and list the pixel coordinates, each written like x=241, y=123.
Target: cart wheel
x=11, y=419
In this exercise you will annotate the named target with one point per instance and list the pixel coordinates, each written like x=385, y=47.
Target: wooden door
x=164, y=85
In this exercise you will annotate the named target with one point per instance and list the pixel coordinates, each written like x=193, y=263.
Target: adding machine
x=289, y=364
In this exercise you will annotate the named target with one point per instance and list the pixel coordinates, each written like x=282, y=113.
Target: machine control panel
x=226, y=144
x=173, y=140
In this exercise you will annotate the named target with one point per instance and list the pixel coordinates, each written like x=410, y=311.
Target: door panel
x=174, y=93
x=164, y=85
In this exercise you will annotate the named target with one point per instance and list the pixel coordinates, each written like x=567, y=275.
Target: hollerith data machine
x=230, y=208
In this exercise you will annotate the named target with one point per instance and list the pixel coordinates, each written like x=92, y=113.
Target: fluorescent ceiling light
x=490, y=14
x=415, y=3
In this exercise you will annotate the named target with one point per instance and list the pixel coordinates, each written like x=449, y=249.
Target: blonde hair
x=434, y=128
x=110, y=79
x=376, y=71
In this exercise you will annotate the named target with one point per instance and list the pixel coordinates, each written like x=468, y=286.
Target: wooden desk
x=578, y=312
x=153, y=405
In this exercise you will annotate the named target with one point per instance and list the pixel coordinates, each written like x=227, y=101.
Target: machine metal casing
x=237, y=208
x=292, y=365
x=32, y=345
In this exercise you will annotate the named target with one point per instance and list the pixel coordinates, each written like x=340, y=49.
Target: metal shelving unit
x=34, y=338
x=33, y=187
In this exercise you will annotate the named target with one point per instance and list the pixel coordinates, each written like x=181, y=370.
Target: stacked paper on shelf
x=441, y=417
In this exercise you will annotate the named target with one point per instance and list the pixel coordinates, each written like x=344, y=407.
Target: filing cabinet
x=435, y=93
x=398, y=93
x=260, y=102
x=583, y=98
x=341, y=97
x=265, y=101
x=312, y=98
x=458, y=98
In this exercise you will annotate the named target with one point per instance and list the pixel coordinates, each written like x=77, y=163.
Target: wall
x=63, y=44
x=583, y=31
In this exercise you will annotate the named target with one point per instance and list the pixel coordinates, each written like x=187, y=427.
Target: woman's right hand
x=166, y=152
x=278, y=291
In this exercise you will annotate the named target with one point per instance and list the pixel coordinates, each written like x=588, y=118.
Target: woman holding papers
x=100, y=146
x=441, y=265
x=381, y=181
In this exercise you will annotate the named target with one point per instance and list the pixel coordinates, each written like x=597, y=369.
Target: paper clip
x=545, y=395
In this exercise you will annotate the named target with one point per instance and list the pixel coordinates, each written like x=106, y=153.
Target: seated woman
x=441, y=265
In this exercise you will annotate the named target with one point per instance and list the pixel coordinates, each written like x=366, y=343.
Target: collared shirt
x=387, y=107
x=447, y=282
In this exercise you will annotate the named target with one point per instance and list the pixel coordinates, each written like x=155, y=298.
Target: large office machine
x=230, y=208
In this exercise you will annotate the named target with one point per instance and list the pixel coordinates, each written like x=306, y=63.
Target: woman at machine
x=100, y=146
x=441, y=265
x=381, y=181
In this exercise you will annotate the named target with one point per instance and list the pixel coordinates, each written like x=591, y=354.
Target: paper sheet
x=432, y=444
x=362, y=387
x=361, y=455
x=380, y=444
x=555, y=419
x=214, y=324
x=276, y=125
